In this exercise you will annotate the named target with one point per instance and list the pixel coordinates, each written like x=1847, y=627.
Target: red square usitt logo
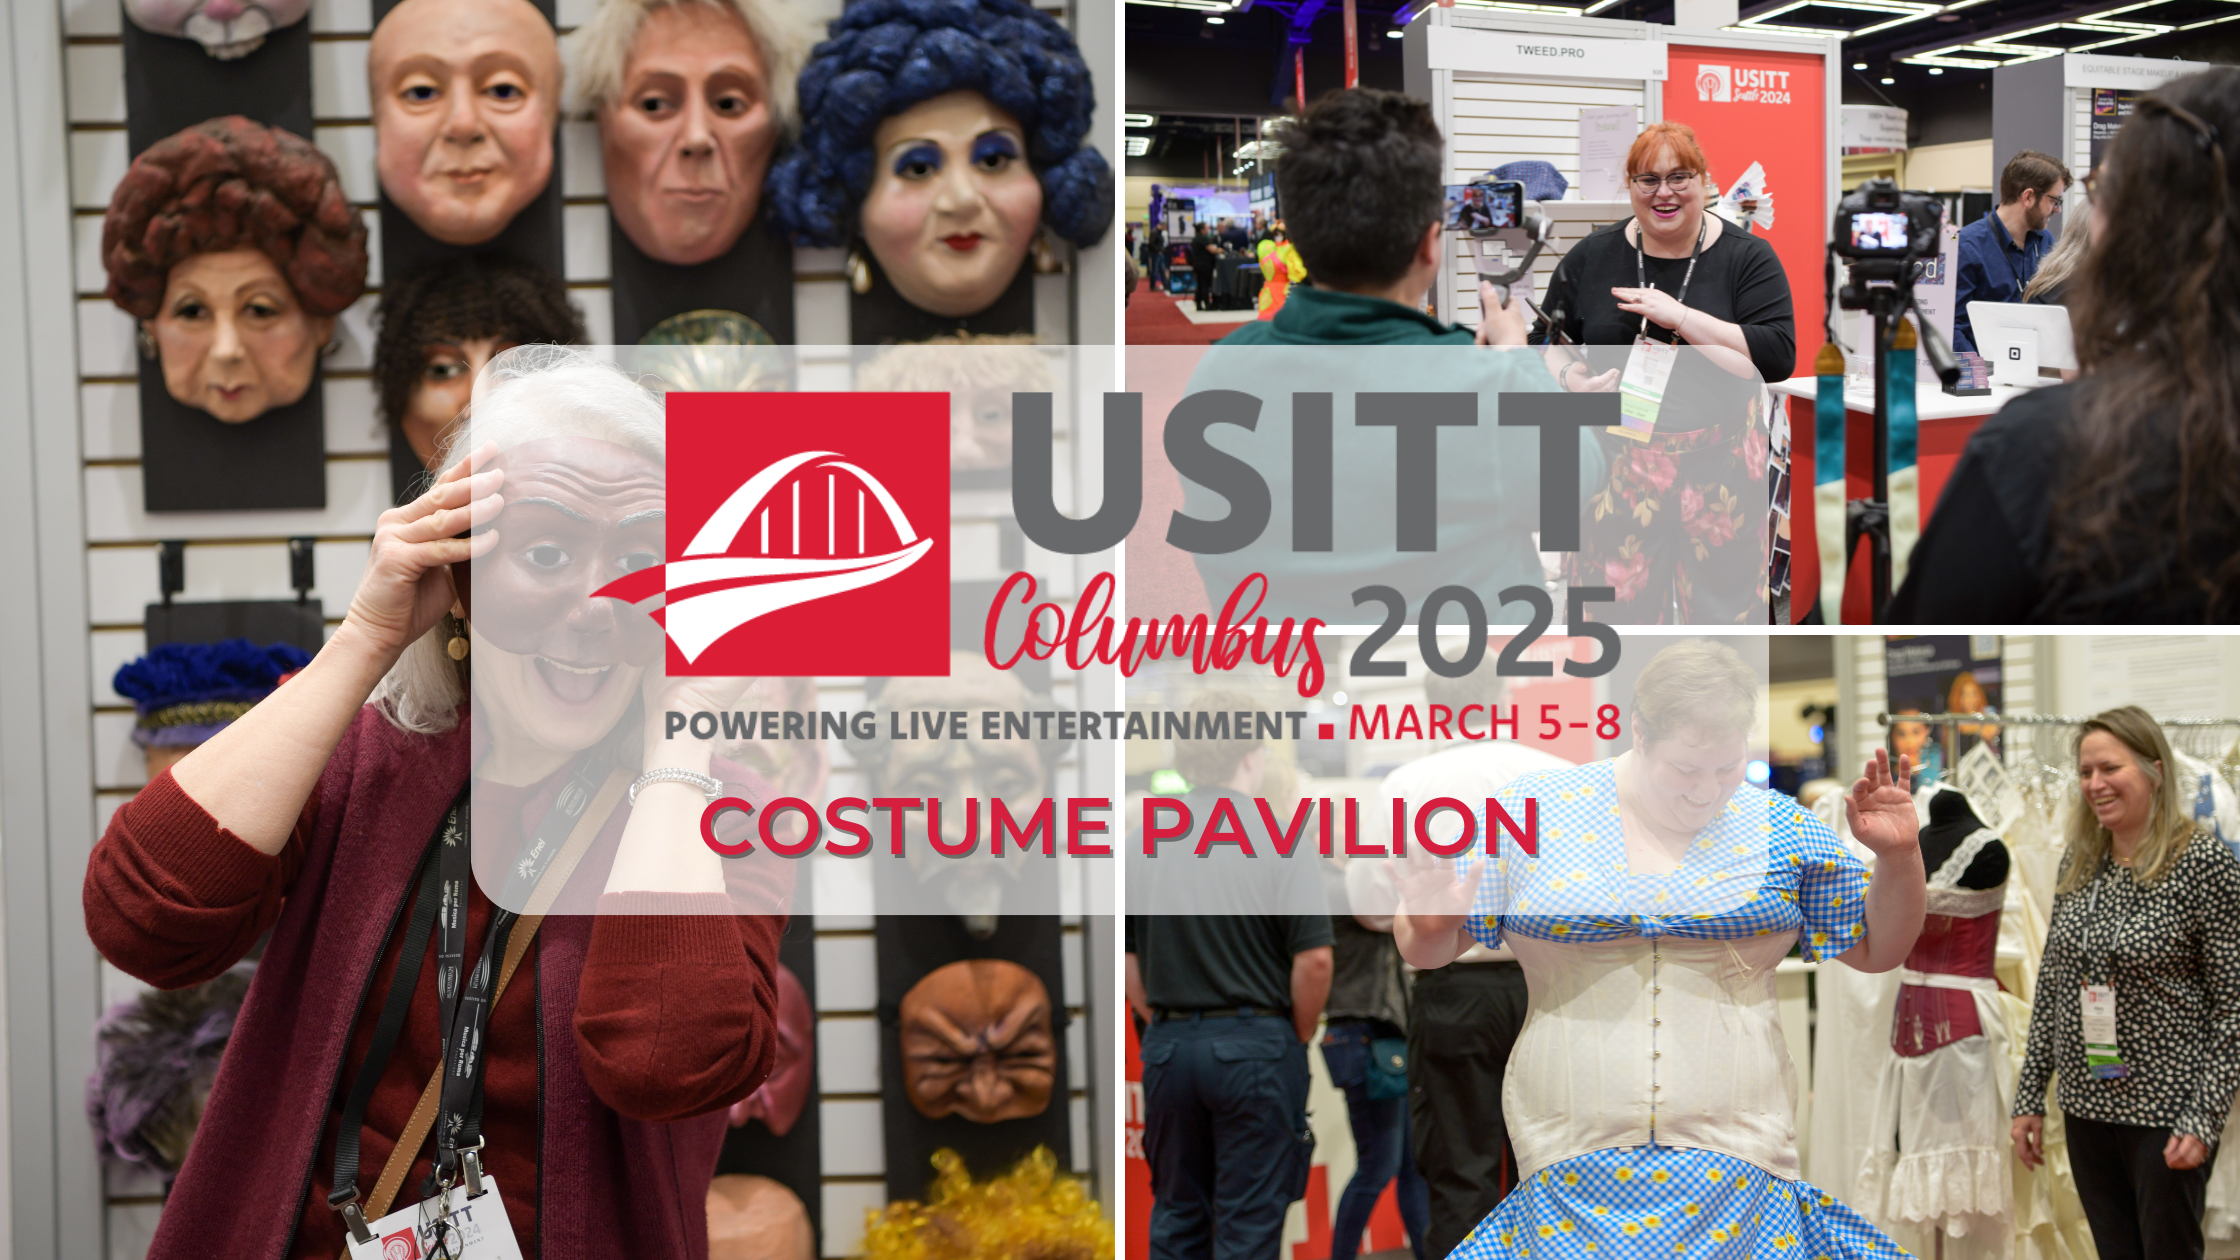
x=807, y=534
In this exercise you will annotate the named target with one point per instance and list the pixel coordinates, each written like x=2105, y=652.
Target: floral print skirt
x=1680, y=528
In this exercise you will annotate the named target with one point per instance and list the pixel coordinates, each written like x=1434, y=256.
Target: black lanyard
x=1641, y=273
x=440, y=902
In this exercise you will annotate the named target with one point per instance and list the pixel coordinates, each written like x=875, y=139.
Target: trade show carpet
x=1155, y=319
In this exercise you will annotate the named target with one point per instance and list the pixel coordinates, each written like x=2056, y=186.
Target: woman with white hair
x=583, y=1079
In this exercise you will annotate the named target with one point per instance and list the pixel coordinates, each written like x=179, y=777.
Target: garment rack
x=2032, y=719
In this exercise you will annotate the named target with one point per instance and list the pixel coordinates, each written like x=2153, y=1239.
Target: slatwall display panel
x=2080, y=131
x=1499, y=119
x=243, y=555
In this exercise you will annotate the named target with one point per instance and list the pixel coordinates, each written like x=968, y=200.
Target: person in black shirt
x=1229, y=1003
x=1679, y=530
x=2117, y=498
x=1205, y=254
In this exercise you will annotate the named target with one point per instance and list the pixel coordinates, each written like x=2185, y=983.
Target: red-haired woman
x=1679, y=527
x=234, y=246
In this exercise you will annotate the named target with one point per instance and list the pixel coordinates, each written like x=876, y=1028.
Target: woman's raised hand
x=1880, y=807
x=406, y=587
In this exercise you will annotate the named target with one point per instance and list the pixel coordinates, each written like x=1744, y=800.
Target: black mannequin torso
x=1951, y=821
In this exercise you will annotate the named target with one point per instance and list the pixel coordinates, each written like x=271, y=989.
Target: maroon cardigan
x=644, y=1028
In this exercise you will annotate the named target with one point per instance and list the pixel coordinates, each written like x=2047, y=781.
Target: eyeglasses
x=1677, y=181
x=2051, y=200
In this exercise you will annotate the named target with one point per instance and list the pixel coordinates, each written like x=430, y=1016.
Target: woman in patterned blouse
x=2149, y=907
x=1650, y=1097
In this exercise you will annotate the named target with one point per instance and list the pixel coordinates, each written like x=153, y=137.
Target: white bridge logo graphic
x=712, y=593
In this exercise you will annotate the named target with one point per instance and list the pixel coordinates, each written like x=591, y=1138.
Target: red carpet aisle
x=1155, y=319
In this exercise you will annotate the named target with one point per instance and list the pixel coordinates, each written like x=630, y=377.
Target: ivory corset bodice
x=1652, y=1015
x=1652, y=1039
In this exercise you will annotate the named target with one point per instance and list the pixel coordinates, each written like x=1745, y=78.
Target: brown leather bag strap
x=423, y=1119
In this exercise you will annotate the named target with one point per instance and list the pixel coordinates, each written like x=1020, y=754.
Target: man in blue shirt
x=2000, y=251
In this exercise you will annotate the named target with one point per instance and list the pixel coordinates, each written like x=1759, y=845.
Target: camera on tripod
x=1878, y=222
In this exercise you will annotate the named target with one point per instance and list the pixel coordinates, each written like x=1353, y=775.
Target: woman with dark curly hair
x=2117, y=498
x=440, y=326
x=939, y=135
x=234, y=246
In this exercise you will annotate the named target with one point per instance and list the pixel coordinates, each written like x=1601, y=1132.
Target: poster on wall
x=1605, y=133
x=1770, y=108
x=1941, y=673
x=2110, y=106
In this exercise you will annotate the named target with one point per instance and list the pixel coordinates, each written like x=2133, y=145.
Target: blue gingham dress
x=1766, y=866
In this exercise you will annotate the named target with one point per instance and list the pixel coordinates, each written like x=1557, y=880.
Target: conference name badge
x=1641, y=388
x=448, y=1227
x=2100, y=1054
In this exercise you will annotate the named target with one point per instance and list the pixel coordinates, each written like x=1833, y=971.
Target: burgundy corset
x=1951, y=944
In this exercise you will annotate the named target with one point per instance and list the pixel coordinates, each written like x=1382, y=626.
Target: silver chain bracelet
x=670, y=774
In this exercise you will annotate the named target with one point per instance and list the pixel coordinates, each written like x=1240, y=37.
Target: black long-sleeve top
x=2172, y=953
x=1738, y=279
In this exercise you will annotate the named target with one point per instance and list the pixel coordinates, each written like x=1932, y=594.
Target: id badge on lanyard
x=1641, y=388
x=447, y=1227
x=1648, y=372
x=2097, y=1011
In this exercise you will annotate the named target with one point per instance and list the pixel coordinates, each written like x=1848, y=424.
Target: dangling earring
x=859, y=272
x=1045, y=254
x=147, y=342
x=330, y=349
x=458, y=646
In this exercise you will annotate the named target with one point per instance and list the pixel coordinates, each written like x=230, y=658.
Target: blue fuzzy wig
x=186, y=673
x=885, y=56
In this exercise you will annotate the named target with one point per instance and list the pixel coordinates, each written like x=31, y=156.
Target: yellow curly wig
x=1029, y=1213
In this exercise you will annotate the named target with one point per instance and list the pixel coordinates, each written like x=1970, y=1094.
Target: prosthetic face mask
x=976, y=1042
x=689, y=139
x=226, y=29
x=953, y=204
x=557, y=665
x=233, y=339
x=465, y=97
x=445, y=387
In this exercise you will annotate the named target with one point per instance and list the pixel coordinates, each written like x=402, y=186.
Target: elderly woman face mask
x=233, y=339
x=953, y=204
x=465, y=96
x=233, y=244
x=690, y=138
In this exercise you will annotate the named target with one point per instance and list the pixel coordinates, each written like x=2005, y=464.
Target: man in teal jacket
x=1360, y=181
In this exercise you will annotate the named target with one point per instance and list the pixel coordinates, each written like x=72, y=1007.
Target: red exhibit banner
x=1767, y=107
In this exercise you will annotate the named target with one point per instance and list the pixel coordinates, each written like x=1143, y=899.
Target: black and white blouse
x=2172, y=952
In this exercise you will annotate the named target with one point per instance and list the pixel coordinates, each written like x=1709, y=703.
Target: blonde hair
x=2170, y=828
x=526, y=393
x=2068, y=251
x=1695, y=683
x=600, y=49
